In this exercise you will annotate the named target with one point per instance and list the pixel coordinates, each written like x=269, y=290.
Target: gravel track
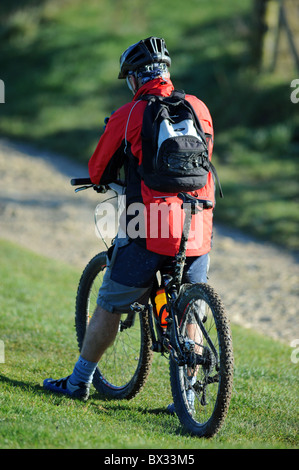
x=40, y=211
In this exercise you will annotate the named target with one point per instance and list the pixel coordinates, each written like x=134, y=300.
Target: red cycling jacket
x=158, y=225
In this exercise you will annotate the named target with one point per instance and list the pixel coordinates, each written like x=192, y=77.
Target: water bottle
x=161, y=303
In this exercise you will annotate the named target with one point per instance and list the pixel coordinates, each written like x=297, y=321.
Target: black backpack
x=174, y=146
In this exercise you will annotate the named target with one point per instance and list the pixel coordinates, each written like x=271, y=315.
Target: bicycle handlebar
x=87, y=180
x=185, y=197
x=86, y=183
x=80, y=181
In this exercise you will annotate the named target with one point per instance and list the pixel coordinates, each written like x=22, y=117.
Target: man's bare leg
x=100, y=334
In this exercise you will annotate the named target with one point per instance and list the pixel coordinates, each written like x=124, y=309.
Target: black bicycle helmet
x=144, y=52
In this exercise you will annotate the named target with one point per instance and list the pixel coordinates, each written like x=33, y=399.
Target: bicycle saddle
x=188, y=199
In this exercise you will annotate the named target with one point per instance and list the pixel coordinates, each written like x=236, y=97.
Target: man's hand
x=107, y=119
x=101, y=188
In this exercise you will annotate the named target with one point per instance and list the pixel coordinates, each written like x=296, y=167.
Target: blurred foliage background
x=59, y=60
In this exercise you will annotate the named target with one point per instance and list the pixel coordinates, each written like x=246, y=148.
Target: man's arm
x=109, y=156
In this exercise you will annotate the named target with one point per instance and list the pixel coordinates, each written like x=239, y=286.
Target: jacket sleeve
x=108, y=156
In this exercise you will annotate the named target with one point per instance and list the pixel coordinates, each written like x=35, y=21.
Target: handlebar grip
x=208, y=205
x=80, y=181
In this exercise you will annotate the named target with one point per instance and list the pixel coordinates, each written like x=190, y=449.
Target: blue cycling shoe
x=65, y=387
x=170, y=409
x=190, y=395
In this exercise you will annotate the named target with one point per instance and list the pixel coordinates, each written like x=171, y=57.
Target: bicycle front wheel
x=124, y=367
x=202, y=386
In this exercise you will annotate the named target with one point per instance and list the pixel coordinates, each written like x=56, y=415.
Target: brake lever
x=82, y=188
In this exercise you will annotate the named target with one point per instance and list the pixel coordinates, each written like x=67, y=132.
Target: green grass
x=37, y=316
x=59, y=62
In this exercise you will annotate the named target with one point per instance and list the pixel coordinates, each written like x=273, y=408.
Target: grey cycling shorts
x=130, y=274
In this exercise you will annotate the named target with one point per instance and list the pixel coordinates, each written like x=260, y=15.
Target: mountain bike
x=191, y=329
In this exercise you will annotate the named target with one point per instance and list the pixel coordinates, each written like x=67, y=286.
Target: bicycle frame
x=163, y=341
x=172, y=285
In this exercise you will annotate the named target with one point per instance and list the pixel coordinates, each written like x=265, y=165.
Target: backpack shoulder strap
x=150, y=97
x=179, y=95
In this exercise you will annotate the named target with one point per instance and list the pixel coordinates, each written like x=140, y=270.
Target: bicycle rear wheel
x=202, y=387
x=124, y=367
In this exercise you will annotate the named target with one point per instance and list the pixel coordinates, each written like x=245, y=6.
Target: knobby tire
x=203, y=419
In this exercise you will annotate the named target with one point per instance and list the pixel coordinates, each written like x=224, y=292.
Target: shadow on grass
x=158, y=419
x=121, y=410
x=107, y=404
x=26, y=386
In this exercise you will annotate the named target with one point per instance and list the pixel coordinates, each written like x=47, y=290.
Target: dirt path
x=39, y=210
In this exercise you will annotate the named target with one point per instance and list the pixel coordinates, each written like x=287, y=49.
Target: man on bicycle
x=145, y=66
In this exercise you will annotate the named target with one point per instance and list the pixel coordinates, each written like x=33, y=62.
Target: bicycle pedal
x=136, y=307
x=189, y=345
